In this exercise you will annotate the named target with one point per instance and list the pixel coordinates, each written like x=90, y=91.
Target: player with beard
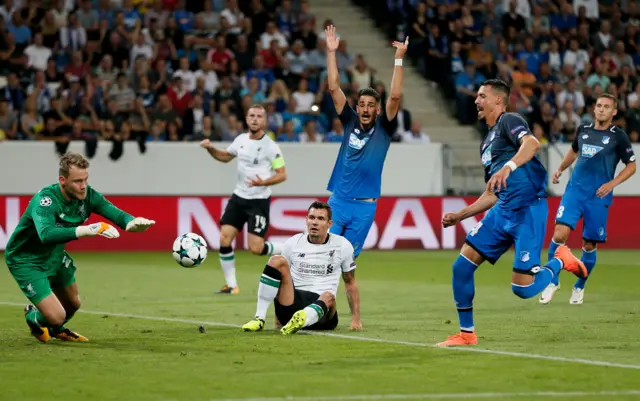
x=36, y=255
x=357, y=175
x=516, y=200
x=303, y=281
x=260, y=165
x=597, y=147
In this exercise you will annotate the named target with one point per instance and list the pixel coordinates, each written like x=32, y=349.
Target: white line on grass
x=370, y=339
x=436, y=396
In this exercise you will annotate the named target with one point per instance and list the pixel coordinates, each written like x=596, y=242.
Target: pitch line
x=370, y=339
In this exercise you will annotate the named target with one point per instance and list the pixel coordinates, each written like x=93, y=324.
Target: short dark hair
x=499, y=85
x=609, y=96
x=321, y=205
x=72, y=159
x=369, y=92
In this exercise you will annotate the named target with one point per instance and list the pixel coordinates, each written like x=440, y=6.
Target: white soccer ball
x=190, y=250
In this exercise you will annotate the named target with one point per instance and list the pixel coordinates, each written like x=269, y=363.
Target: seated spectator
x=415, y=135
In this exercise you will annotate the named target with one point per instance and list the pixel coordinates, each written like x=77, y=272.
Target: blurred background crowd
x=557, y=55
x=176, y=70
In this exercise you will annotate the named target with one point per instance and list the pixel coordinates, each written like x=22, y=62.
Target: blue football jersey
x=358, y=169
x=529, y=181
x=599, y=152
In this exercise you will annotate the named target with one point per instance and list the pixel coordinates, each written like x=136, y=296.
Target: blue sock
x=464, y=290
x=552, y=250
x=589, y=260
x=541, y=280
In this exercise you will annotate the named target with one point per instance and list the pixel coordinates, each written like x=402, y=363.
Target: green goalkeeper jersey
x=50, y=222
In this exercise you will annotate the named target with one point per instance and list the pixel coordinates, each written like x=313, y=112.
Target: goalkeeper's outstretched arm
x=102, y=206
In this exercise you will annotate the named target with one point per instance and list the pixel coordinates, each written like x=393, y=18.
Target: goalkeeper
x=35, y=252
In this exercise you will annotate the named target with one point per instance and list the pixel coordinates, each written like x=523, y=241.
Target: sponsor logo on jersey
x=605, y=139
x=590, y=150
x=486, y=156
x=357, y=143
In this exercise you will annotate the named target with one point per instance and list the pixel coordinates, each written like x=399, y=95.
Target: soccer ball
x=190, y=250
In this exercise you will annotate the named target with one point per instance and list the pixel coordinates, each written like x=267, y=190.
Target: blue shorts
x=352, y=219
x=594, y=211
x=500, y=229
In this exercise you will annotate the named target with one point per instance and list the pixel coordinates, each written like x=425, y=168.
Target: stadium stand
x=557, y=55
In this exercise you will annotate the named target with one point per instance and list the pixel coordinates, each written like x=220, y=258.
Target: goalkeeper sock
x=589, y=260
x=315, y=312
x=228, y=263
x=552, y=250
x=267, y=290
x=271, y=248
x=34, y=317
x=540, y=280
x=464, y=290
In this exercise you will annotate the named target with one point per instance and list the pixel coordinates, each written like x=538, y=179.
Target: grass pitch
x=142, y=314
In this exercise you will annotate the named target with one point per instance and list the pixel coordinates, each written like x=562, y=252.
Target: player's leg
x=569, y=213
x=595, y=231
x=528, y=278
x=486, y=241
x=66, y=290
x=275, y=283
x=231, y=222
x=313, y=315
x=356, y=231
x=339, y=214
x=258, y=225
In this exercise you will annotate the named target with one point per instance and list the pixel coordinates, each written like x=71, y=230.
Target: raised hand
x=401, y=47
x=331, y=39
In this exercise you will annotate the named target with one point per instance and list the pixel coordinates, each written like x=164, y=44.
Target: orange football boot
x=571, y=263
x=460, y=339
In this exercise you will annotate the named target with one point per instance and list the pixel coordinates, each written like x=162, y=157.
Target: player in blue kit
x=597, y=147
x=357, y=175
x=516, y=199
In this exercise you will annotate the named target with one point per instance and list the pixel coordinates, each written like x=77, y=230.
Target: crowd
x=167, y=70
x=557, y=55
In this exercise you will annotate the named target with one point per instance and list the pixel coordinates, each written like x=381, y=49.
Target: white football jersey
x=255, y=158
x=318, y=267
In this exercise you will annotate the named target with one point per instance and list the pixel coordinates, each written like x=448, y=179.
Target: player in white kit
x=260, y=165
x=303, y=281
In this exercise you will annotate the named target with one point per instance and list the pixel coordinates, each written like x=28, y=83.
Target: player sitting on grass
x=35, y=252
x=303, y=280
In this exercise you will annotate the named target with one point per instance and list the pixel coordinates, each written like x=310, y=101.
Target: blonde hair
x=72, y=159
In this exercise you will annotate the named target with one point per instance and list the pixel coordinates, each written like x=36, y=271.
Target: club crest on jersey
x=486, y=156
x=585, y=136
x=357, y=143
x=605, y=139
x=590, y=150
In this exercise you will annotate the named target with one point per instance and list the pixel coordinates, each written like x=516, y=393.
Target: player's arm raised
x=626, y=155
x=103, y=207
x=333, y=77
x=218, y=154
x=393, y=103
x=482, y=204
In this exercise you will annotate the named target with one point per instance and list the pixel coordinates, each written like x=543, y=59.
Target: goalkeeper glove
x=103, y=229
x=139, y=224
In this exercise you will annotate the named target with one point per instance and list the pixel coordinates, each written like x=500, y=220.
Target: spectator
x=415, y=135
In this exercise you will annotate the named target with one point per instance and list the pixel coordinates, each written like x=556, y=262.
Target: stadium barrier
x=401, y=222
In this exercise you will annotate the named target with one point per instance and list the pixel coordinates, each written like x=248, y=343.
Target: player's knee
x=55, y=317
x=256, y=248
x=589, y=246
x=279, y=262
x=328, y=298
x=226, y=238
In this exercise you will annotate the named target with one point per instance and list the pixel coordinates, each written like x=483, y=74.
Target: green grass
x=406, y=297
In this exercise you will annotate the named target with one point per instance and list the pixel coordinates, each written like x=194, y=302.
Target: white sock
x=314, y=313
x=274, y=248
x=228, y=263
x=267, y=292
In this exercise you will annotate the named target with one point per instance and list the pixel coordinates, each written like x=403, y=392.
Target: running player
x=516, y=199
x=35, y=252
x=597, y=147
x=260, y=165
x=303, y=281
x=357, y=175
